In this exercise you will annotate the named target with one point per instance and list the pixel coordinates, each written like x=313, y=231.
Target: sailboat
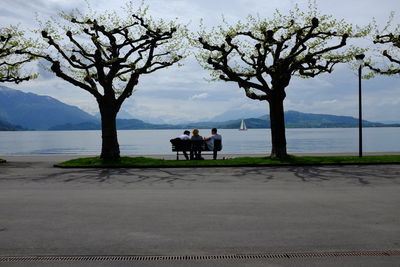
x=243, y=126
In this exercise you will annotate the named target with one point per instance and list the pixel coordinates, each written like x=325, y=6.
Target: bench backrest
x=181, y=145
x=187, y=145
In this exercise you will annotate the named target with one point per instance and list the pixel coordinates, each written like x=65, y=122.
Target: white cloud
x=329, y=102
x=199, y=96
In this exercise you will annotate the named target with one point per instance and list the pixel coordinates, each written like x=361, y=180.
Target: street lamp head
x=360, y=59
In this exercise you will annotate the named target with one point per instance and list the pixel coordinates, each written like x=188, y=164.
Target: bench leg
x=215, y=154
x=177, y=155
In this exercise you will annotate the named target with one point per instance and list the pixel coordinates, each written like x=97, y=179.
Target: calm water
x=234, y=141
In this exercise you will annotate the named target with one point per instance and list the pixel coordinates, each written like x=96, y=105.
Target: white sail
x=243, y=126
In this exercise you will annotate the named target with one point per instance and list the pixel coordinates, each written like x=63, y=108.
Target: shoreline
x=171, y=156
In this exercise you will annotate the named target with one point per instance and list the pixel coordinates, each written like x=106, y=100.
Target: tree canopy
x=255, y=52
x=105, y=55
x=11, y=63
x=262, y=55
x=387, y=49
x=97, y=52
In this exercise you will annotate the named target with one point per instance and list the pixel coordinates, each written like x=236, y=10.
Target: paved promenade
x=258, y=212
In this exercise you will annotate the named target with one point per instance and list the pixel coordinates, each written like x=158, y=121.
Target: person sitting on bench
x=185, y=136
x=214, y=142
x=197, y=141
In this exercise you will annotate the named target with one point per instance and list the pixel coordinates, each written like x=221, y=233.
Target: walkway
x=255, y=212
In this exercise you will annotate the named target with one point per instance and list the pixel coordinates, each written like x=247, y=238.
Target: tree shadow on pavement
x=351, y=174
x=355, y=174
x=122, y=176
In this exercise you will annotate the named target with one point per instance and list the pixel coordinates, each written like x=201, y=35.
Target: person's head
x=214, y=130
x=186, y=132
x=195, y=132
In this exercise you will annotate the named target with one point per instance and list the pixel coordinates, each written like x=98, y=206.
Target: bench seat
x=179, y=145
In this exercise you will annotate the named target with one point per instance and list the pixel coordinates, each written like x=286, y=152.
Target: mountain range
x=37, y=112
x=23, y=111
x=6, y=126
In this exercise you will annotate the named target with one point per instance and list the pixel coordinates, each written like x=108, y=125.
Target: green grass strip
x=137, y=162
x=2, y=161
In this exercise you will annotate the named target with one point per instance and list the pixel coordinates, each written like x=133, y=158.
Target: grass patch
x=136, y=162
x=2, y=161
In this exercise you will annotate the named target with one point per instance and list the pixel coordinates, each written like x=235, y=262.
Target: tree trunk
x=110, y=146
x=277, y=119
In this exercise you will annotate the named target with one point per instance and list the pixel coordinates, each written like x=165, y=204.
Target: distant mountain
x=92, y=125
x=235, y=114
x=38, y=112
x=122, y=114
x=122, y=124
x=32, y=111
x=390, y=122
x=295, y=119
x=251, y=123
x=6, y=126
x=134, y=124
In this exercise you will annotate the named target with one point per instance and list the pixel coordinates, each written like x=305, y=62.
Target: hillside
x=122, y=124
x=37, y=112
x=293, y=119
x=6, y=126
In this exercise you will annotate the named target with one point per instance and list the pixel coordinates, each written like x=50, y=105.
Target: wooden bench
x=179, y=145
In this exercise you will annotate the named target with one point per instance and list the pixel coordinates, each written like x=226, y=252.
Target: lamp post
x=360, y=60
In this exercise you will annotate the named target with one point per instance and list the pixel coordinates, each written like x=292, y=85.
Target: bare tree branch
x=10, y=61
x=393, y=42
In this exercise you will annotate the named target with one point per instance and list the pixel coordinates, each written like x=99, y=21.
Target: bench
x=179, y=145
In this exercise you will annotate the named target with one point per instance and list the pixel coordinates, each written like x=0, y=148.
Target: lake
x=157, y=141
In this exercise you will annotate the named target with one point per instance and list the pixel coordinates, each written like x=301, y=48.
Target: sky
x=180, y=94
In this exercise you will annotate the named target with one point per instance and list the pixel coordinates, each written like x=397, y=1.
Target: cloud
x=199, y=96
x=24, y=12
x=329, y=102
x=172, y=110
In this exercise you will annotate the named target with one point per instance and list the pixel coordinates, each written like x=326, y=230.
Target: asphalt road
x=199, y=211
